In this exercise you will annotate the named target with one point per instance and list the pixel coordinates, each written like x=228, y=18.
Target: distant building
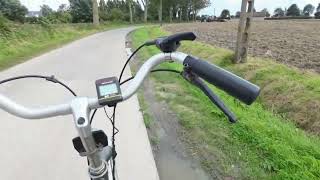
x=33, y=14
x=260, y=14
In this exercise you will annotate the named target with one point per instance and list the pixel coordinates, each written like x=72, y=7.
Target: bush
x=45, y=22
x=60, y=17
x=13, y=10
x=317, y=15
x=116, y=15
x=32, y=20
x=54, y=18
x=4, y=27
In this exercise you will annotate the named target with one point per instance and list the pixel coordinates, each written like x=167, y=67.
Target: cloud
x=34, y=5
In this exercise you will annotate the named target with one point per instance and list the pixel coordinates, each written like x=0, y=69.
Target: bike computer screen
x=108, y=90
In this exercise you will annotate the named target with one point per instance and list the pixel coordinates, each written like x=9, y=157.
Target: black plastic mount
x=171, y=43
x=99, y=137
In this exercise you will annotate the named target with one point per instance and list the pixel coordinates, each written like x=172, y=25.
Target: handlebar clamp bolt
x=81, y=121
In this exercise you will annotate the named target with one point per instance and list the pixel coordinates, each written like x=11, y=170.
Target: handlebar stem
x=81, y=113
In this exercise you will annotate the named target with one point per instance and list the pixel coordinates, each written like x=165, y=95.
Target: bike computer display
x=109, y=92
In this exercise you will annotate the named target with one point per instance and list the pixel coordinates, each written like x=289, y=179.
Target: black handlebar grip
x=230, y=83
x=185, y=36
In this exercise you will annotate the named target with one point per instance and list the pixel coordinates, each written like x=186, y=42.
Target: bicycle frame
x=80, y=108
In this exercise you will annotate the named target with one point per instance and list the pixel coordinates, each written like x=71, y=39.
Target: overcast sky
x=218, y=5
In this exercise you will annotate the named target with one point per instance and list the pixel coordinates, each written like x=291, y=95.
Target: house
x=33, y=14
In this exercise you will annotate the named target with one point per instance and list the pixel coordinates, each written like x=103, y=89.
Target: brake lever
x=169, y=44
x=195, y=80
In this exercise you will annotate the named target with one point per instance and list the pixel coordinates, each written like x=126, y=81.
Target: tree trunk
x=170, y=14
x=160, y=13
x=146, y=11
x=130, y=11
x=180, y=15
x=95, y=12
x=187, y=11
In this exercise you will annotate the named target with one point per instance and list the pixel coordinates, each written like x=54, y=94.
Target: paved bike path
x=42, y=149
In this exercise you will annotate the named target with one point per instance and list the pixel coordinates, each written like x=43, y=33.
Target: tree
x=95, y=12
x=176, y=10
x=103, y=10
x=308, y=10
x=116, y=14
x=293, y=10
x=81, y=11
x=13, y=10
x=279, y=12
x=130, y=4
x=63, y=14
x=197, y=5
x=160, y=12
x=265, y=10
x=137, y=11
x=145, y=4
x=46, y=10
x=225, y=14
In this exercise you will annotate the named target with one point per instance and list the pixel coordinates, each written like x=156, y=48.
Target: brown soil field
x=292, y=42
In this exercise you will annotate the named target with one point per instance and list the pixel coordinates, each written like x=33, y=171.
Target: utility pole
x=244, y=31
x=95, y=12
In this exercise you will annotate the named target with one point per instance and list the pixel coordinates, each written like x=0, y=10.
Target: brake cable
x=115, y=130
x=48, y=78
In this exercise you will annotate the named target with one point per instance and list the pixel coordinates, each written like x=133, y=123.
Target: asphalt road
x=42, y=149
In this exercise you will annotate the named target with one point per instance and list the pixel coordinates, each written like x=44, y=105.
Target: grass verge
x=144, y=109
x=21, y=42
x=263, y=144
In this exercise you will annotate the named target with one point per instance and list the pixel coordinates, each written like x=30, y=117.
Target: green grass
x=264, y=144
x=27, y=40
x=148, y=120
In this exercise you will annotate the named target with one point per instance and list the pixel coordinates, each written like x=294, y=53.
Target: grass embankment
x=19, y=42
x=262, y=144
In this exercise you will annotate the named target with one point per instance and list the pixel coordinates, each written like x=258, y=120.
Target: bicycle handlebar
x=234, y=85
x=65, y=109
x=230, y=83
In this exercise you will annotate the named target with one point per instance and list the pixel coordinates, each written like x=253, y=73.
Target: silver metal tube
x=36, y=113
x=64, y=109
x=147, y=67
x=81, y=112
x=80, y=107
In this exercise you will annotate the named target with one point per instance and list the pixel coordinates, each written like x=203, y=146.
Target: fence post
x=244, y=31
